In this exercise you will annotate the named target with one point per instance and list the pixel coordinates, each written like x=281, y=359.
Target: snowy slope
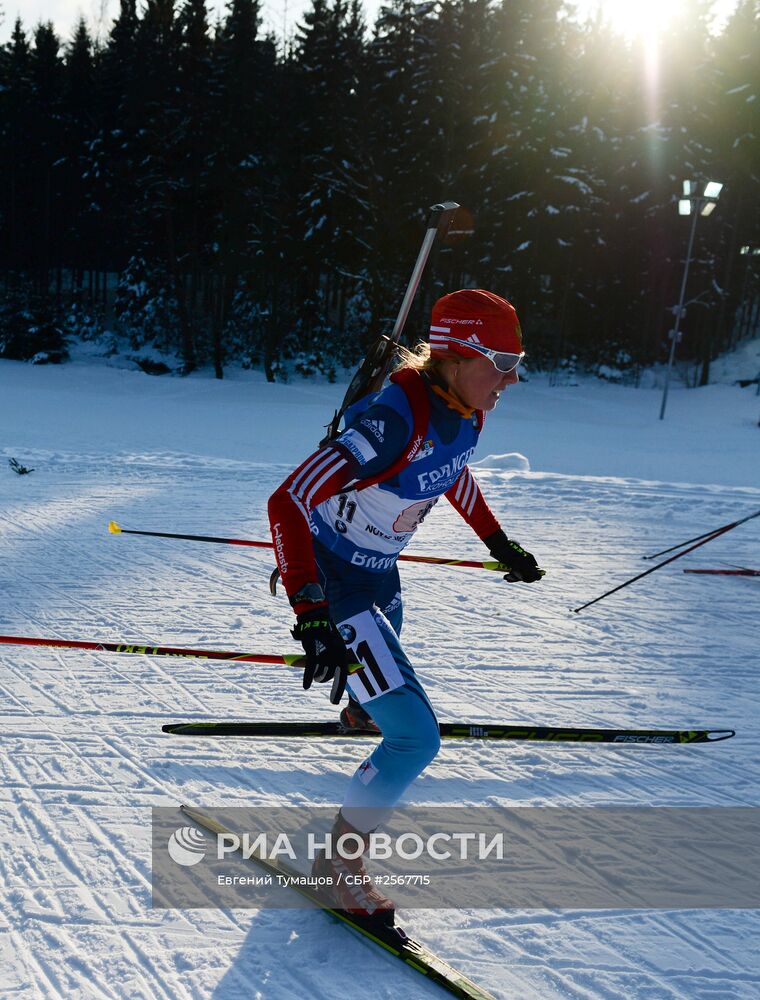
x=586, y=476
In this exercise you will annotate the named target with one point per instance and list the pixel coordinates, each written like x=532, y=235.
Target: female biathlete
x=339, y=523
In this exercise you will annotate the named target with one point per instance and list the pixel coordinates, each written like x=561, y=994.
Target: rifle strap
x=413, y=385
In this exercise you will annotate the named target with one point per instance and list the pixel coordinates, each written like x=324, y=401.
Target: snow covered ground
x=586, y=476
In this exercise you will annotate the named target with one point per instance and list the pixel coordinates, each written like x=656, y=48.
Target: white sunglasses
x=502, y=361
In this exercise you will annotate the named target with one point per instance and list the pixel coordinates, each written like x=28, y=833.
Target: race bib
x=378, y=672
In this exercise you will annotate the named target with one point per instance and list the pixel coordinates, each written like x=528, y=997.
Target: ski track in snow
x=85, y=759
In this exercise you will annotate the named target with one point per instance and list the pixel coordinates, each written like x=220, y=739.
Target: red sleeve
x=322, y=475
x=466, y=498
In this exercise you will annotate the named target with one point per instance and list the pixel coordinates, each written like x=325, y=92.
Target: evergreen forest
x=208, y=190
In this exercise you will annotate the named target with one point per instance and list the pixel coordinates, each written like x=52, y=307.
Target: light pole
x=693, y=204
x=748, y=308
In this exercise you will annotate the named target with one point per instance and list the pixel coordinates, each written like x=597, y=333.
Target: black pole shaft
x=197, y=538
x=696, y=538
x=720, y=531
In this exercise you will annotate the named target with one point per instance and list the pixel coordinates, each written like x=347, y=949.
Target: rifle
x=372, y=371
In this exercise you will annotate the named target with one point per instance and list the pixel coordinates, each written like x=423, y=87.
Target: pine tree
x=605, y=309
x=737, y=144
x=112, y=152
x=399, y=190
x=47, y=133
x=333, y=202
x=159, y=179
x=79, y=115
x=195, y=147
x=249, y=171
x=532, y=177
x=17, y=151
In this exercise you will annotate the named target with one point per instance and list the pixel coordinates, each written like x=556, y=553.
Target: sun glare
x=642, y=19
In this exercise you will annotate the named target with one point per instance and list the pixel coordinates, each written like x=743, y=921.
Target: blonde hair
x=418, y=358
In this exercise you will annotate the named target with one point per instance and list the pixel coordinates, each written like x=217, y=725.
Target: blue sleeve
x=377, y=436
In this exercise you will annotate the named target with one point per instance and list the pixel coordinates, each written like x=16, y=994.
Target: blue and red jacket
x=364, y=494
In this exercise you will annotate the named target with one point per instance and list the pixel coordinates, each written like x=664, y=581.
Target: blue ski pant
x=368, y=611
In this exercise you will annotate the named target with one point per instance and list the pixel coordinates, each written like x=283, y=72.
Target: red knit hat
x=470, y=318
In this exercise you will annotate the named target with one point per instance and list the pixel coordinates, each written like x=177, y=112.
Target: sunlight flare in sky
x=646, y=20
x=631, y=18
x=642, y=19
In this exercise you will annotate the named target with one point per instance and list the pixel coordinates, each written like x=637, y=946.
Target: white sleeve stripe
x=464, y=488
x=303, y=510
x=317, y=463
x=460, y=485
x=469, y=493
x=296, y=482
x=331, y=471
x=458, y=490
x=474, y=497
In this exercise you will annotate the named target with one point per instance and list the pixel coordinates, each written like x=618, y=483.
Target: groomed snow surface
x=585, y=476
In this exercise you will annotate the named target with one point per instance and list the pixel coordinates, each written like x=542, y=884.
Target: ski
x=456, y=731
x=726, y=572
x=394, y=940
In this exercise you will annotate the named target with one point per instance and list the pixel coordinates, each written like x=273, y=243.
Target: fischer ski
x=392, y=939
x=456, y=731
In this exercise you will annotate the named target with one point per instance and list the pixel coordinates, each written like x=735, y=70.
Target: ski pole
x=715, y=534
x=707, y=535
x=115, y=529
x=147, y=649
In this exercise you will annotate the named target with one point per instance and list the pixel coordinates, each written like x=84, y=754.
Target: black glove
x=327, y=657
x=522, y=565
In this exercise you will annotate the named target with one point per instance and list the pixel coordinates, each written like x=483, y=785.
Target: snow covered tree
x=334, y=211
x=737, y=145
x=400, y=184
x=536, y=181
x=16, y=149
x=46, y=131
x=245, y=165
x=79, y=115
x=251, y=182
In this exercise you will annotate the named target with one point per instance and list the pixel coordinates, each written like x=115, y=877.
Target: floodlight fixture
x=713, y=189
x=703, y=204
